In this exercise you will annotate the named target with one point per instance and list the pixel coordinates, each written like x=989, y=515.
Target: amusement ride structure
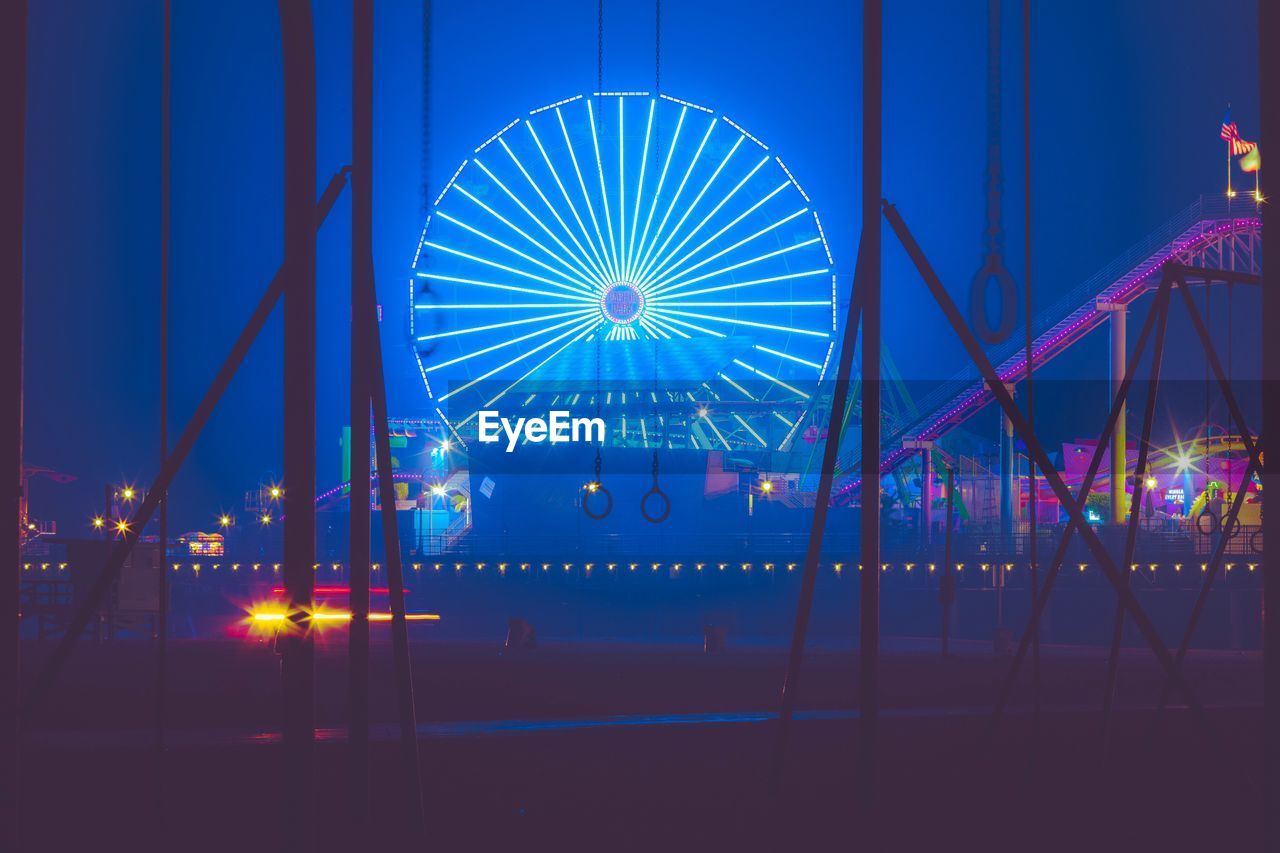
x=635, y=256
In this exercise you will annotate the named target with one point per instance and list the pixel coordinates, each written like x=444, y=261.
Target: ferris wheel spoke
x=670, y=286
x=662, y=179
x=510, y=342
x=582, y=285
x=582, y=256
x=779, y=303
x=789, y=357
x=728, y=249
x=775, y=380
x=684, y=180
x=587, y=325
x=582, y=334
x=743, y=391
x=656, y=270
x=737, y=417
x=580, y=269
x=733, y=321
x=654, y=331
x=693, y=205
x=505, y=325
x=622, y=191
x=532, y=276
x=669, y=270
x=604, y=193
x=666, y=296
x=635, y=216
x=661, y=325
x=659, y=316
x=600, y=261
x=586, y=196
x=494, y=285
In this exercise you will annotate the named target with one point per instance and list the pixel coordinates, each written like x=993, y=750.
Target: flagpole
x=1229, y=192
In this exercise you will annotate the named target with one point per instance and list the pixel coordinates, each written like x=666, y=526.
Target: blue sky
x=1129, y=96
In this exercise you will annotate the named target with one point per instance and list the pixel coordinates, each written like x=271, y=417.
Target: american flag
x=1231, y=134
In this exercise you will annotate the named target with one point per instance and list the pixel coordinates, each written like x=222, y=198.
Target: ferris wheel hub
x=622, y=303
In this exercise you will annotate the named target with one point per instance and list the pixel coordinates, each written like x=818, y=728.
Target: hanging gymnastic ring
x=1213, y=528
x=660, y=517
x=1230, y=527
x=598, y=490
x=1253, y=541
x=993, y=270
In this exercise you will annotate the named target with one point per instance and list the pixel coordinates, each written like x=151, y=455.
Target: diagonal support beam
x=1051, y=475
x=43, y=681
x=1095, y=463
x=395, y=566
x=1214, y=567
x=1215, y=364
x=835, y=430
x=1135, y=514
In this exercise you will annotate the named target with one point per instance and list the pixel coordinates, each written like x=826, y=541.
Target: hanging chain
x=993, y=267
x=657, y=47
x=658, y=443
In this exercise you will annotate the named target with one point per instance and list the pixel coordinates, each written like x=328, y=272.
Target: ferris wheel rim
x=663, y=280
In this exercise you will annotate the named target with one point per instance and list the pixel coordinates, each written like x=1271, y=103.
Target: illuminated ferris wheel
x=640, y=257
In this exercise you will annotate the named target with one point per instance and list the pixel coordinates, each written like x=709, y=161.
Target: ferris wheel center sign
x=622, y=303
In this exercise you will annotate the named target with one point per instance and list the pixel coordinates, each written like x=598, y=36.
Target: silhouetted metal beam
x=1060, y=553
x=297, y=642
x=43, y=681
x=13, y=109
x=1269, y=106
x=162, y=577
x=1212, y=569
x=360, y=526
x=1135, y=515
x=869, y=602
x=817, y=527
x=1051, y=475
x=395, y=570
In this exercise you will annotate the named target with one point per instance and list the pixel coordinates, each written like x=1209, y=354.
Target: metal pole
x=360, y=523
x=926, y=497
x=1119, y=462
x=1268, y=73
x=13, y=105
x=822, y=502
x=1135, y=515
x=869, y=605
x=297, y=665
x=162, y=580
x=947, y=593
x=395, y=568
x=1006, y=478
x=1033, y=570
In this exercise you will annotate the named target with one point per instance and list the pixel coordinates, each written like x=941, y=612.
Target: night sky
x=1129, y=97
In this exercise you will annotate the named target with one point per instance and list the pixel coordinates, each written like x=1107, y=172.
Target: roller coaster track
x=1211, y=233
